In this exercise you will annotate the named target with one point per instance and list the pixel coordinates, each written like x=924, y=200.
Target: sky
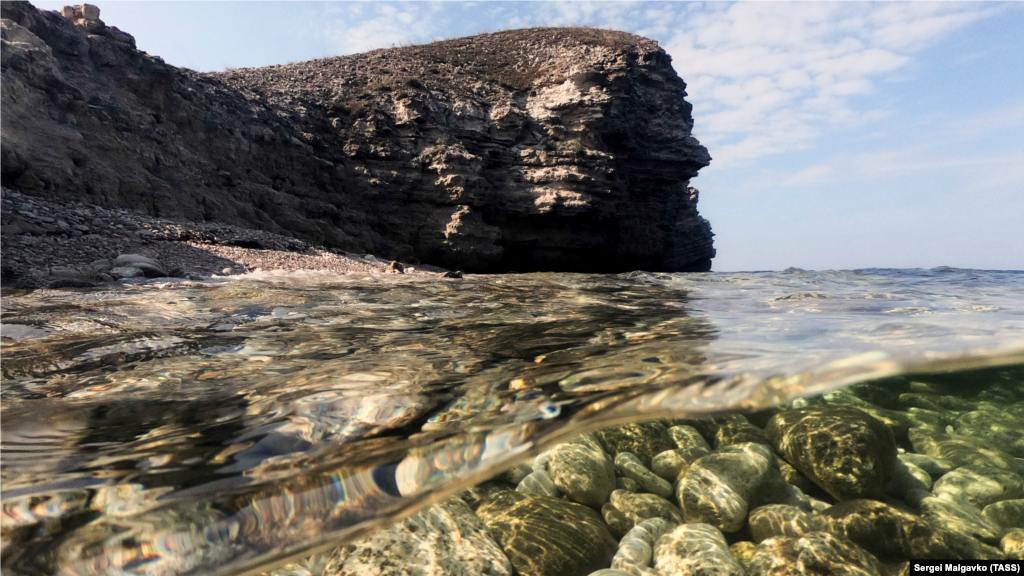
x=843, y=135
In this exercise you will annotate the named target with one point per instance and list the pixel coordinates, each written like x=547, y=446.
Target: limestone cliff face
x=540, y=149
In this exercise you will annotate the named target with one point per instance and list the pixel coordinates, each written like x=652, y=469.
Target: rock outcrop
x=538, y=149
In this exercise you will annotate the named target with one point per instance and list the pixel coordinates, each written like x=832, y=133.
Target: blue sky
x=843, y=135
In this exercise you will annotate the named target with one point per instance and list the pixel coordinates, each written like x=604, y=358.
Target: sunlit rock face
x=541, y=149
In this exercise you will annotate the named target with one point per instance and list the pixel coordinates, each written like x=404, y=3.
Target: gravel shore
x=71, y=244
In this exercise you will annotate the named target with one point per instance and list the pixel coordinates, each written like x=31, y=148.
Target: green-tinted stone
x=547, y=537
x=963, y=450
x=812, y=554
x=643, y=439
x=892, y=534
x=840, y=448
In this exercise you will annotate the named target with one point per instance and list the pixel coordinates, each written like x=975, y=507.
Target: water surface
x=223, y=427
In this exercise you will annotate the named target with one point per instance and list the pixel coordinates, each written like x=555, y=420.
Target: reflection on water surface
x=195, y=429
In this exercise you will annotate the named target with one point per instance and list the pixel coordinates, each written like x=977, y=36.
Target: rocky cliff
x=540, y=149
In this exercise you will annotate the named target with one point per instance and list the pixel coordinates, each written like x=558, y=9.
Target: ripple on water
x=194, y=427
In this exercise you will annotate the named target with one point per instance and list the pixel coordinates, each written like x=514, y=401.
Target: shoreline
x=51, y=244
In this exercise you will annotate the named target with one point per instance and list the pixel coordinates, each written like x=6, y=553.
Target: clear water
x=223, y=428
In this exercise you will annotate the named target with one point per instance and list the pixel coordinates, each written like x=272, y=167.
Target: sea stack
x=562, y=149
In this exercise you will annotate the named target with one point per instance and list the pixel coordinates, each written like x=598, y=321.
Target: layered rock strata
x=539, y=149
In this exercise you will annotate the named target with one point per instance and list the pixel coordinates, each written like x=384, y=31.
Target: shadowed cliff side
x=540, y=149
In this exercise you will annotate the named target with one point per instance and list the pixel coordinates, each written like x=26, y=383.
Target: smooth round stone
x=996, y=426
x=610, y=572
x=695, y=549
x=980, y=485
x=1006, y=514
x=719, y=489
x=639, y=507
x=794, y=477
x=642, y=439
x=928, y=420
x=812, y=554
x=628, y=465
x=649, y=530
x=743, y=552
x=934, y=466
x=738, y=432
x=635, y=550
x=779, y=520
x=543, y=536
x=920, y=474
x=634, y=569
x=910, y=484
x=627, y=484
x=540, y=462
x=962, y=450
x=133, y=259
x=583, y=474
x=887, y=532
x=126, y=272
x=669, y=465
x=1013, y=544
x=842, y=449
x=958, y=515
x=689, y=439
x=540, y=483
x=819, y=505
x=444, y=539
x=617, y=521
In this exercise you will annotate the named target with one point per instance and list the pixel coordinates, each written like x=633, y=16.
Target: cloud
x=750, y=62
x=764, y=77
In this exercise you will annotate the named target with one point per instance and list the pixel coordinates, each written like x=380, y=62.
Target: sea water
x=234, y=425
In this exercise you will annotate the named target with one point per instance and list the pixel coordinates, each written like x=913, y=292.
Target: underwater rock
x=547, y=537
x=935, y=467
x=962, y=450
x=794, y=477
x=743, y=552
x=583, y=474
x=1006, y=514
x=628, y=465
x=540, y=483
x=956, y=514
x=910, y=484
x=640, y=507
x=627, y=484
x=720, y=488
x=695, y=549
x=928, y=419
x=842, y=449
x=1013, y=544
x=445, y=539
x=738, y=432
x=774, y=520
x=689, y=440
x=995, y=426
x=887, y=532
x=643, y=439
x=812, y=554
x=669, y=465
x=617, y=521
x=980, y=485
x=650, y=530
x=635, y=551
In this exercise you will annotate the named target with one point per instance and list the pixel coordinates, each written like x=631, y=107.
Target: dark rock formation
x=539, y=149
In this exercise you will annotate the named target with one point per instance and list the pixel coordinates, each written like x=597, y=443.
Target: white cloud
x=764, y=77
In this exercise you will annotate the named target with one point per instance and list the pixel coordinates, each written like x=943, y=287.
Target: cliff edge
x=563, y=149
